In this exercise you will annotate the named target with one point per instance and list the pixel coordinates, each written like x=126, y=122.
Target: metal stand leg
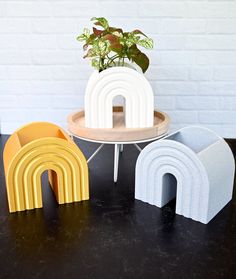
x=138, y=147
x=121, y=148
x=96, y=151
x=116, y=160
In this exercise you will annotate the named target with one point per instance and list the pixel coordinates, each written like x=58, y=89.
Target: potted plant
x=111, y=46
x=113, y=54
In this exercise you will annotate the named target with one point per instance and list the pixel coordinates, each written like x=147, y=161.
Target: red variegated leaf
x=142, y=61
x=135, y=55
x=136, y=31
x=114, y=29
x=111, y=38
x=115, y=43
x=97, y=32
x=132, y=52
x=117, y=48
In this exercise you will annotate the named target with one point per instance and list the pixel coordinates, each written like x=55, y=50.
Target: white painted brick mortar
x=192, y=67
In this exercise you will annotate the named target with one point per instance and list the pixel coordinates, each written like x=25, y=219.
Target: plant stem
x=100, y=68
x=111, y=60
x=102, y=62
x=112, y=56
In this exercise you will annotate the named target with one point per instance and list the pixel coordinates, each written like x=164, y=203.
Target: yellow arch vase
x=37, y=147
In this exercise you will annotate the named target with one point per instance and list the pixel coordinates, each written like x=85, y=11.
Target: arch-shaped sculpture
x=35, y=148
x=202, y=164
x=103, y=87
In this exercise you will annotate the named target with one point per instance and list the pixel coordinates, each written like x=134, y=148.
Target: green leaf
x=147, y=43
x=90, y=39
x=81, y=38
x=101, y=47
x=86, y=32
x=84, y=36
x=95, y=63
x=117, y=34
x=90, y=53
x=131, y=39
x=110, y=44
x=101, y=21
x=85, y=47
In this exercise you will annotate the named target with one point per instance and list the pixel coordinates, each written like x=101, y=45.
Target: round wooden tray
x=119, y=133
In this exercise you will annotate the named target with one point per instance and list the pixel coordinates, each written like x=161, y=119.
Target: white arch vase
x=103, y=87
x=201, y=162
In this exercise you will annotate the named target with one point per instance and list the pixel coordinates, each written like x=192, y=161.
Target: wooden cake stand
x=119, y=134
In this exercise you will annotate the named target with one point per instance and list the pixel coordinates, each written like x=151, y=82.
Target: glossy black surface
x=113, y=235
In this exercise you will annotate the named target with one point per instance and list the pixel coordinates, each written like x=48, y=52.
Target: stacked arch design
x=103, y=87
x=203, y=166
x=38, y=147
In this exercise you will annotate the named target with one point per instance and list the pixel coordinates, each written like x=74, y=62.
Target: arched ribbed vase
x=103, y=87
x=35, y=148
x=201, y=162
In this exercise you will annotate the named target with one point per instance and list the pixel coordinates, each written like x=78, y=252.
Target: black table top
x=113, y=235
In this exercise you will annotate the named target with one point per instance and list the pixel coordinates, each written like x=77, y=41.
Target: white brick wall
x=193, y=65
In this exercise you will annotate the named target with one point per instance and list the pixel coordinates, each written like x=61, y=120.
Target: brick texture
x=192, y=66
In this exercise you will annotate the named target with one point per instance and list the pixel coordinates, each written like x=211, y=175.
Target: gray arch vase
x=203, y=165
